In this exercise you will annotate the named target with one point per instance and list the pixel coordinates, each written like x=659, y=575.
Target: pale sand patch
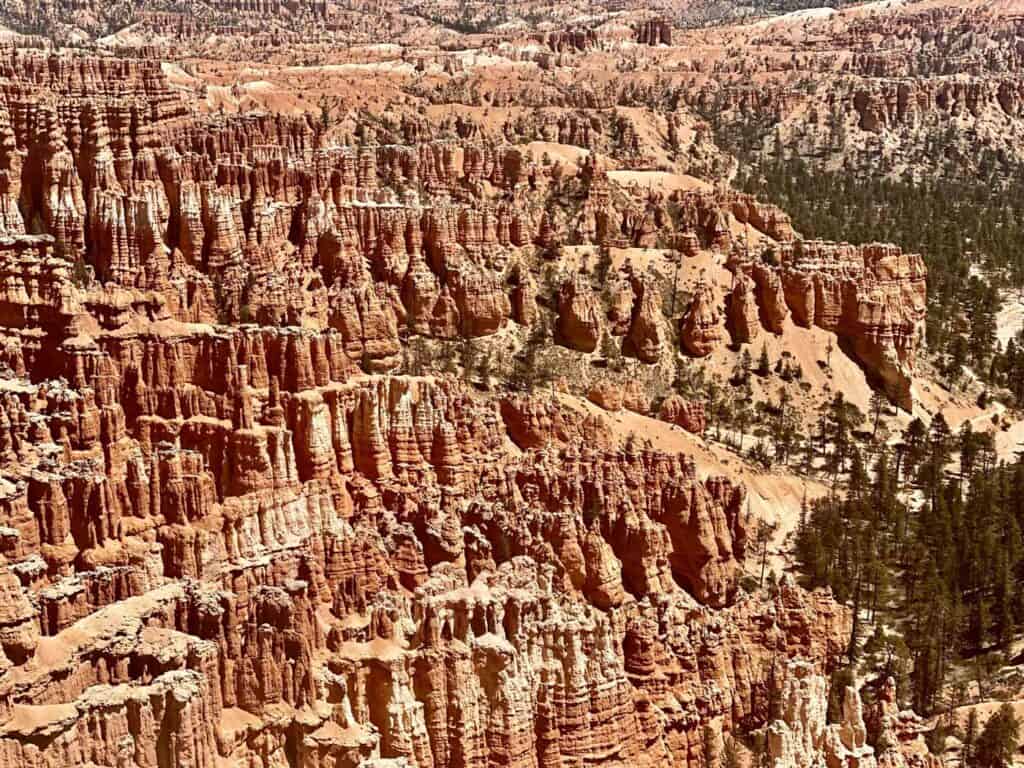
x=878, y=6
x=806, y=346
x=128, y=36
x=259, y=86
x=386, y=67
x=30, y=718
x=177, y=76
x=985, y=710
x=809, y=346
x=650, y=130
x=381, y=648
x=796, y=17
x=1010, y=318
x=1010, y=442
x=234, y=719
x=748, y=234
x=639, y=259
x=569, y=154
x=1008, y=7
x=660, y=181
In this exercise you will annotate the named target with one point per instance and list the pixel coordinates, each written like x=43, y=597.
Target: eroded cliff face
x=872, y=297
x=233, y=544
x=803, y=737
x=261, y=218
x=234, y=536
x=74, y=20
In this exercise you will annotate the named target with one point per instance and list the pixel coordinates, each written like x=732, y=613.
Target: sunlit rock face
x=234, y=534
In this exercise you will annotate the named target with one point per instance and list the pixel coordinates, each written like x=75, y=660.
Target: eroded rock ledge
x=231, y=535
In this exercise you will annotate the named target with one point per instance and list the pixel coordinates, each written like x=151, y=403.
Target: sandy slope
x=775, y=498
x=660, y=181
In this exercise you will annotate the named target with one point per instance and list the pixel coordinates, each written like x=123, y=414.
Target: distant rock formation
x=872, y=297
x=232, y=534
x=702, y=326
x=654, y=32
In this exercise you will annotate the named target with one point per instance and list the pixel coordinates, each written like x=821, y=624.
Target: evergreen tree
x=764, y=365
x=998, y=740
x=876, y=405
x=730, y=755
x=981, y=210
x=762, y=537
x=886, y=655
x=970, y=739
x=745, y=365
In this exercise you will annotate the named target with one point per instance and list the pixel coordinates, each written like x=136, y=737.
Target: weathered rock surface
x=231, y=535
x=231, y=544
x=803, y=738
x=872, y=297
x=645, y=338
x=702, y=326
x=742, y=318
x=684, y=413
x=654, y=32
x=580, y=315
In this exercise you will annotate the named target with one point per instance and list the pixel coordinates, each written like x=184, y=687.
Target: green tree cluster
x=950, y=563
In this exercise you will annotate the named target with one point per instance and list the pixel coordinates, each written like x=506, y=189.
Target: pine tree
x=914, y=440
x=759, y=755
x=853, y=649
x=886, y=655
x=764, y=365
x=841, y=679
x=763, y=537
x=731, y=756
x=876, y=405
x=741, y=419
x=970, y=739
x=610, y=351
x=745, y=365
x=998, y=740
x=1003, y=618
x=485, y=369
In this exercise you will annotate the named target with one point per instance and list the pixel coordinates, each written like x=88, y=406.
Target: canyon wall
x=235, y=536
